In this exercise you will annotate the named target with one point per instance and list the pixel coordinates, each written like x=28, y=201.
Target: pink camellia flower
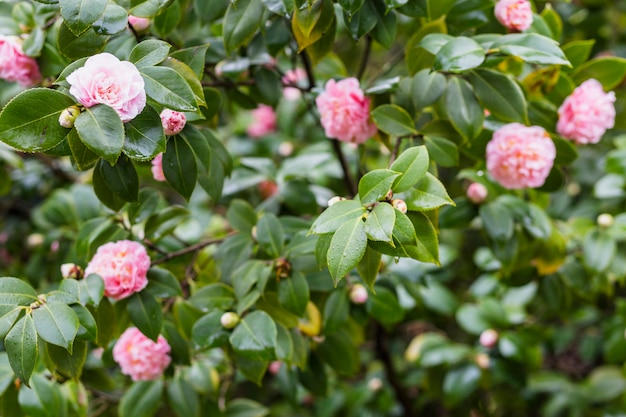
x=489, y=338
x=173, y=121
x=476, y=192
x=263, y=122
x=104, y=79
x=293, y=77
x=345, y=111
x=157, y=168
x=139, y=23
x=587, y=113
x=519, y=156
x=139, y=357
x=514, y=14
x=14, y=65
x=123, y=266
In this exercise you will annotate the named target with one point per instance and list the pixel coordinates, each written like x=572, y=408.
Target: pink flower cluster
x=14, y=65
x=587, y=113
x=519, y=156
x=157, y=168
x=173, y=121
x=514, y=14
x=123, y=266
x=293, y=77
x=263, y=122
x=139, y=357
x=344, y=111
x=104, y=79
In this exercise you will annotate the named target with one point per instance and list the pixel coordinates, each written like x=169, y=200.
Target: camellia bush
x=249, y=208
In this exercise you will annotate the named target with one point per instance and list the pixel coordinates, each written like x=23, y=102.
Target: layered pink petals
x=14, y=65
x=157, y=168
x=173, y=121
x=514, y=14
x=263, y=122
x=139, y=357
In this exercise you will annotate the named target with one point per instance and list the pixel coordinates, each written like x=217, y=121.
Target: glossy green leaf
x=459, y=383
x=66, y=363
x=15, y=291
x=340, y=351
x=121, y=178
x=244, y=407
x=144, y=136
x=532, y=48
x=459, y=54
x=369, y=266
x=80, y=14
x=443, y=151
x=465, y=114
x=374, y=185
x=168, y=88
x=346, y=248
x=145, y=312
x=270, y=235
x=577, y=52
x=73, y=46
x=30, y=121
x=42, y=399
x=426, y=88
x=241, y=215
x=56, y=323
x=380, y=221
x=142, y=399
x=336, y=215
x=182, y=397
x=162, y=283
x=180, y=166
x=393, y=120
x=21, y=347
x=599, y=250
x=500, y=94
x=255, y=337
x=383, y=306
x=498, y=220
x=8, y=315
x=336, y=311
x=243, y=18
x=217, y=295
x=88, y=328
x=429, y=193
x=427, y=242
x=412, y=164
x=208, y=331
x=82, y=157
x=609, y=71
x=415, y=56
x=251, y=273
x=149, y=8
x=149, y=53
x=113, y=20
x=102, y=130
x=293, y=293
x=435, y=41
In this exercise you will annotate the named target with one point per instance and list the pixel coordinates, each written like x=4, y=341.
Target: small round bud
x=476, y=193
x=71, y=271
x=274, y=367
x=358, y=294
x=268, y=188
x=285, y=149
x=68, y=116
x=605, y=220
x=489, y=338
x=139, y=23
x=389, y=195
x=375, y=384
x=34, y=240
x=229, y=320
x=573, y=189
x=399, y=205
x=173, y=121
x=335, y=199
x=482, y=360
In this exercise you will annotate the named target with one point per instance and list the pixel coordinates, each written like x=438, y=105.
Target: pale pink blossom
x=489, y=338
x=358, y=294
x=263, y=121
x=15, y=66
x=173, y=121
x=293, y=77
x=157, y=168
x=587, y=113
x=519, y=156
x=476, y=192
x=345, y=111
x=139, y=357
x=139, y=23
x=123, y=266
x=104, y=79
x=514, y=14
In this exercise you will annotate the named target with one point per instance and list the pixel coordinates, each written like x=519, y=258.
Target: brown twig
x=190, y=249
x=365, y=58
x=347, y=175
x=306, y=61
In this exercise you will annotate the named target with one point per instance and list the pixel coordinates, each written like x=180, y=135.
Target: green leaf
x=412, y=164
x=145, y=313
x=605, y=384
x=104, y=193
x=164, y=222
x=609, y=71
x=498, y=220
x=121, y=178
x=42, y=399
x=56, y=323
x=577, y=52
x=241, y=216
x=465, y=114
x=340, y=351
x=336, y=215
x=30, y=121
x=380, y=221
x=8, y=316
x=311, y=21
x=284, y=344
x=375, y=185
x=255, y=337
x=347, y=247
x=163, y=284
x=92, y=286
x=102, y=130
x=182, y=397
x=393, y=120
x=532, y=48
x=15, y=291
x=443, y=151
x=149, y=8
x=415, y=56
x=88, y=328
x=242, y=20
x=243, y=407
x=427, y=242
x=142, y=399
x=165, y=23
x=386, y=27
x=500, y=94
x=293, y=293
x=21, y=347
x=459, y=383
x=149, y=53
x=168, y=88
x=73, y=46
x=113, y=20
x=270, y=235
x=217, y=295
x=180, y=166
x=599, y=250
x=82, y=156
x=251, y=273
x=144, y=136
x=208, y=332
x=435, y=41
x=426, y=88
x=369, y=266
x=459, y=54
x=383, y=305
x=336, y=311
x=66, y=363
x=276, y=6
x=79, y=15
x=429, y=193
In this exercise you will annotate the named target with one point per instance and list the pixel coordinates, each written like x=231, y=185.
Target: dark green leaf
x=443, y=151
x=380, y=221
x=145, y=312
x=144, y=136
x=336, y=215
x=369, y=266
x=532, y=48
x=459, y=54
x=162, y=283
x=182, y=397
x=180, y=167
x=255, y=337
x=102, y=130
x=208, y=331
x=384, y=306
x=121, y=178
x=500, y=94
x=168, y=88
x=293, y=293
x=336, y=311
x=270, y=235
x=609, y=71
x=21, y=347
x=465, y=114
x=80, y=14
x=412, y=164
x=426, y=88
x=217, y=295
x=347, y=247
x=243, y=18
x=375, y=185
x=393, y=120
x=429, y=193
x=142, y=399
x=15, y=291
x=66, y=363
x=56, y=323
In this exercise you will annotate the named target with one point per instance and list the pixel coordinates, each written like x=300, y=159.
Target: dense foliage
x=312, y=207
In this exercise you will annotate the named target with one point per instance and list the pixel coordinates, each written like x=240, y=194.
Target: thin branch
x=366, y=56
x=306, y=61
x=347, y=176
x=190, y=249
x=396, y=150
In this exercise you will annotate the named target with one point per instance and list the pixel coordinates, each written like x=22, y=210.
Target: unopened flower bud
x=489, y=338
x=477, y=193
x=605, y=220
x=71, y=271
x=389, y=195
x=68, y=116
x=34, y=240
x=274, y=367
x=139, y=23
x=173, y=121
x=229, y=320
x=482, y=360
x=268, y=188
x=358, y=294
x=399, y=205
x=285, y=149
x=334, y=200
x=375, y=384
